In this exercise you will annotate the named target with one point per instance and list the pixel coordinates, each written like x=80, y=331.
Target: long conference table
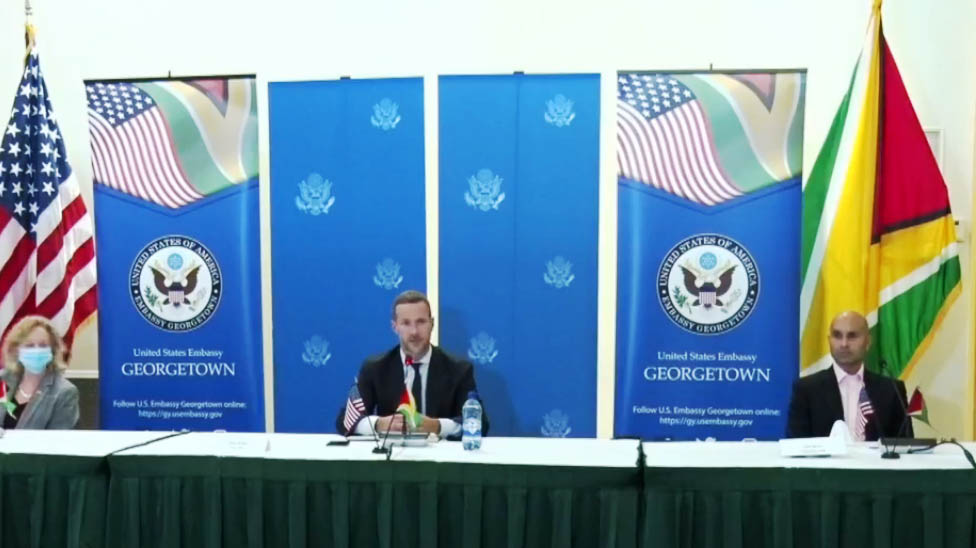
x=157, y=489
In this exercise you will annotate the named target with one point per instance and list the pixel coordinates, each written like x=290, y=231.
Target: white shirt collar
x=423, y=360
x=841, y=374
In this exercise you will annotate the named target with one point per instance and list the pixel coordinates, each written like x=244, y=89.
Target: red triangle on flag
x=916, y=407
x=910, y=189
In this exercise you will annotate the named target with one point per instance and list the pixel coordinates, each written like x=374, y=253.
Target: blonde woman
x=38, y=395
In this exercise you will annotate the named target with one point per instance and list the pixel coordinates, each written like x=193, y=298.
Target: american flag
x=864, y=412
x=663, y=140
x=355, y=409
x=46, y=245
x=132, y=146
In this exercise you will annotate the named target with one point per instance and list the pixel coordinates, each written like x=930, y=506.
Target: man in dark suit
x=844, y=391
x=439, y=382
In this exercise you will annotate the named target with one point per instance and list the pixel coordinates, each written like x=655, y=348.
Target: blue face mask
x=35, y=359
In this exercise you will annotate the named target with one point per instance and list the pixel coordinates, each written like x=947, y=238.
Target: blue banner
x=708, y=253
x=519, y=176
x=176, y=202
x=348, y=233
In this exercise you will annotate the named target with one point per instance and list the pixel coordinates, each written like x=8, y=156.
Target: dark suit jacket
x=816, y=404
x=54, y=405
x=449, y=380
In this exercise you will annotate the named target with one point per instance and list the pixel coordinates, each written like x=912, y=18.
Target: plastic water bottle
x=471, y=427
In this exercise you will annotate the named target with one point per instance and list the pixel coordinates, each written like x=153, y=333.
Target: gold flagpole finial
x=29, y=31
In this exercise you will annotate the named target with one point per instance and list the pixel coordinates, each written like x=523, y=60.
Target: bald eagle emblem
x=707, y=287
x=708, y=284
x=385, y=114
x=314, y=195
x=175, y=286
x=484, y=191
x=559, y=111
x=175, y=283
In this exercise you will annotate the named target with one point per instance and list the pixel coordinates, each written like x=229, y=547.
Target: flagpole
x=28, y=24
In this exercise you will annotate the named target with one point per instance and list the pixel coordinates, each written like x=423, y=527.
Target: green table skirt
x=233, y=502
x=758, y=508
x=52, y=500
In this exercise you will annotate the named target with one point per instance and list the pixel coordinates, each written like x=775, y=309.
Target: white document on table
x=833, y=445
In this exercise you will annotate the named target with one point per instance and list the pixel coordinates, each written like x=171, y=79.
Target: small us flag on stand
x=865, y=410
x=47, y=254
x=355, y=409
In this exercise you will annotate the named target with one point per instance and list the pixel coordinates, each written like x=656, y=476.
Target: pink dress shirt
x=850, y=390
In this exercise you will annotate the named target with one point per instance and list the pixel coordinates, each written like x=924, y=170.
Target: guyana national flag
x=408, y=408
x=878, y=235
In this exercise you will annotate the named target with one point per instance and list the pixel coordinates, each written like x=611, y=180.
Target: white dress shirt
x=850, y=392
x=448, y=426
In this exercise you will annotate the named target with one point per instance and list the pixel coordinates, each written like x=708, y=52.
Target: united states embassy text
x=707, y=374
x=179, y=369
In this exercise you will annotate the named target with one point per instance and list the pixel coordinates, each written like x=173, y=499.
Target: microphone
x=889, y=452
x=897, y=439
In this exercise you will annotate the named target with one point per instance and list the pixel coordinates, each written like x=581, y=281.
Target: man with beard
x=847, y=391
x=439, y=382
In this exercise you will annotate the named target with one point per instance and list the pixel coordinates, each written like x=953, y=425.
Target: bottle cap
x=473, y=395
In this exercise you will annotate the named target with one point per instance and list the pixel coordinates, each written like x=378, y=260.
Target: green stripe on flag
x=815, y=191
x=198, y=164
x=905, y=321
x=736, y=156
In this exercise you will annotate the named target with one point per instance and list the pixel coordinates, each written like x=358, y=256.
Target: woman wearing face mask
x=38, y=395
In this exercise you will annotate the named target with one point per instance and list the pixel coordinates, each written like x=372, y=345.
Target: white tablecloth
x=865, y=456
x=84, y=443
x=508, y=451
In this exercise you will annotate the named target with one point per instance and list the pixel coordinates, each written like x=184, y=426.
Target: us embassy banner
x=348, y=233
x=709, y=168
x=519, y=157
x=176, y=199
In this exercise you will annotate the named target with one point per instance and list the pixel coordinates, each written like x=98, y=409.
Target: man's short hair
x=410, y=296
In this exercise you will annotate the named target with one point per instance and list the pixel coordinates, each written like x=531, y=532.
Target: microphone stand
x=383, y=449
x=904, y=406
x=891, y=453
x=403, y=432
x=380, y=448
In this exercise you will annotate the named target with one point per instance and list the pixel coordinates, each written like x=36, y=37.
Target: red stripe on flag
x=164, y=145
x=16, y=263
x=26, y=308
x=54, y=302
x=51, y=247
x=168, y=150
x=85, y=306
x=150, y=154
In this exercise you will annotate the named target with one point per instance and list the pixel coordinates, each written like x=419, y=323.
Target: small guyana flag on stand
x=917, y=409
x=408, y=408
x=878, y=234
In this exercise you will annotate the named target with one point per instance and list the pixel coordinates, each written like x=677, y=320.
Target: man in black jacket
x=847, y=391
x=439, y=382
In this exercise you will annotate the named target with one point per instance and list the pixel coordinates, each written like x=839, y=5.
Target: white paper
x=833, y=445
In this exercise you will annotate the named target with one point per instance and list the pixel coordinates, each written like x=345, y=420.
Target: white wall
x=291, y=40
